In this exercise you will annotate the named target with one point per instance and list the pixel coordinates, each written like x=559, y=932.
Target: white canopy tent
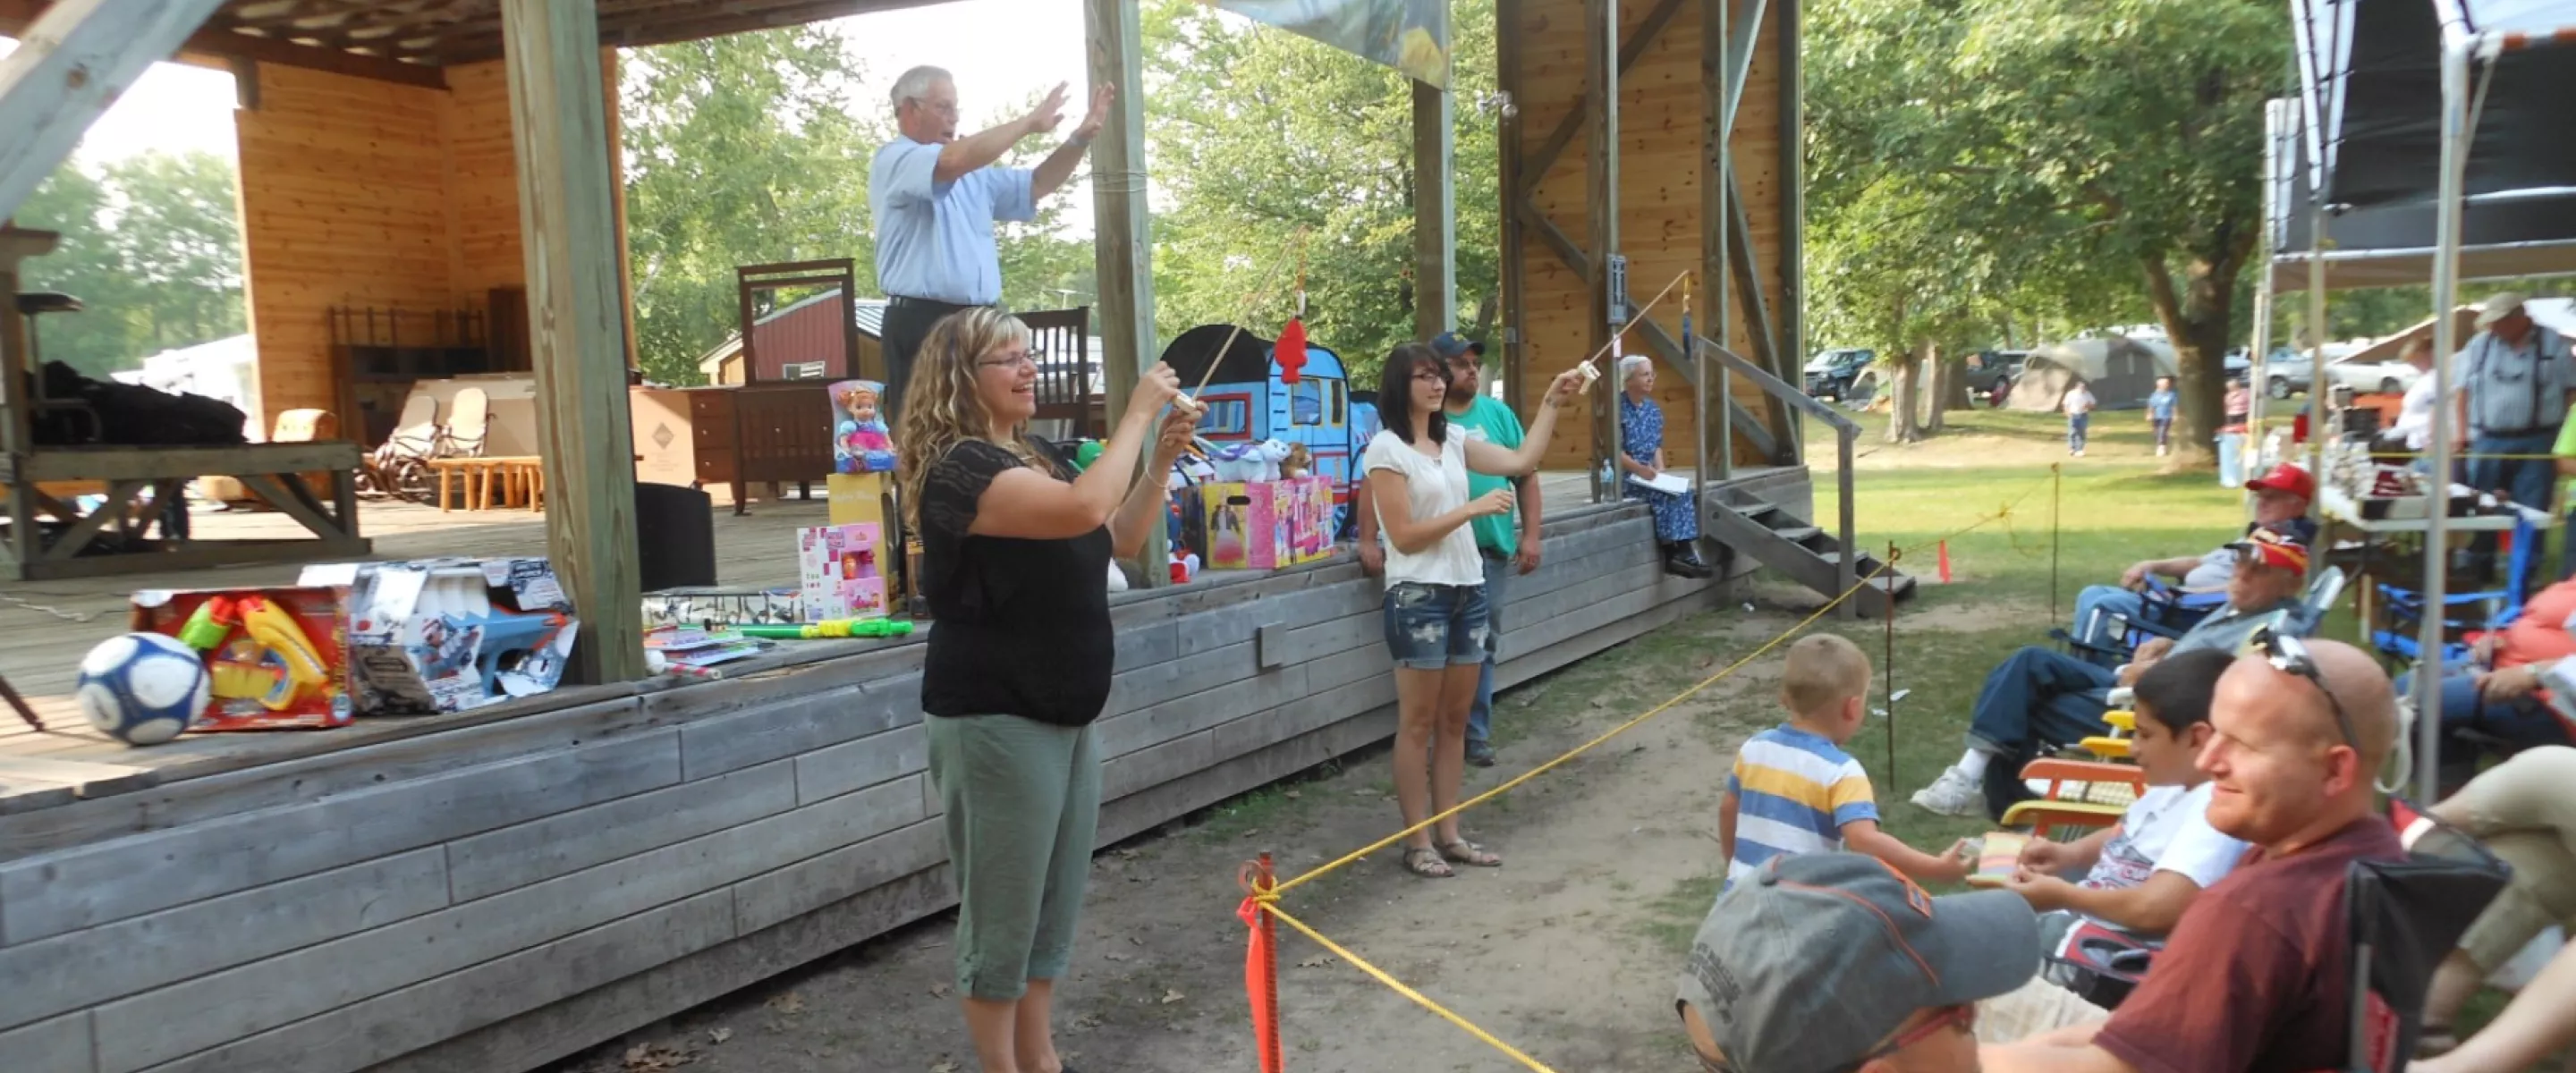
x=2430, y=138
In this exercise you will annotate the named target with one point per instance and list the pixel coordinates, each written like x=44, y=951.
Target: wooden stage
x=488, y=891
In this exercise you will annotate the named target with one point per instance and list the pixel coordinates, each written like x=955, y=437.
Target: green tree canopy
x=151, y=245
x=1257, y=134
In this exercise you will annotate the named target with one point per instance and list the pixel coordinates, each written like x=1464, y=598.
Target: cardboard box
x=838, y=571
x=259, y=684
x=857, y=498
x=1265, y=525
x=448, y=635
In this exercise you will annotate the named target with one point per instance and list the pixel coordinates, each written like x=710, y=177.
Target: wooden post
x=1601, y=181
x=1122, y=246
x=70, y=65
x=1791, y=353
x=1717, y=161
x=559, y=127
x=1507, y=144
x=617, y=197
x=1435, y=216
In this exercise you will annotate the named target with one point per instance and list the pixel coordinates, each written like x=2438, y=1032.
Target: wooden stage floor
x=46, y=626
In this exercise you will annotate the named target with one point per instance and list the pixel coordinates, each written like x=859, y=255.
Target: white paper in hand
x=1669, y=483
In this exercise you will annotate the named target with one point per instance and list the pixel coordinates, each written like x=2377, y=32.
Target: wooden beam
x=1601, y=185
x=1535, y=171
x=1507, y=142
x=559, y=126
x=1435, y=215
x=617, y=194
x=1743, y=28
x=222, y=49
x=1717, y=113
x=1122, y=249
x=1792, y=184
x=70, y=66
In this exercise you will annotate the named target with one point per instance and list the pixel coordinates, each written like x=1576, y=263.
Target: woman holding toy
x=1435, y=597
x=1014, y=546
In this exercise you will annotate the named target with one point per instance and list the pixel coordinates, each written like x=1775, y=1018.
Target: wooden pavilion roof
x=409, y=40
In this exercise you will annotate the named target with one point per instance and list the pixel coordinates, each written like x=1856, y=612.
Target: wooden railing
x=1846, y=432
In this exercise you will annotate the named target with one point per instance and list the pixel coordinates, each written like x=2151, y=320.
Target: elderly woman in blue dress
x=1641, y=447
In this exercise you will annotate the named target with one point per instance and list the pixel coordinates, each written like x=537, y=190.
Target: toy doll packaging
x=861, y=442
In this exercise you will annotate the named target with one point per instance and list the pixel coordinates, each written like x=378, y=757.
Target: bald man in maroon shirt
x=2256, y=975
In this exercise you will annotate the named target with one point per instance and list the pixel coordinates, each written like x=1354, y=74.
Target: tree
x=1259, y=136
x=740, y=150
x=151, y=245
x=2071, y=151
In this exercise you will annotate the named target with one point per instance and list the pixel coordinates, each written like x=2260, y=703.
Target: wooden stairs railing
x=1783, y=541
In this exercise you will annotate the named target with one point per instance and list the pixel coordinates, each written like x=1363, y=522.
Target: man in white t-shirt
x=2139, y=875
x=2079, y=414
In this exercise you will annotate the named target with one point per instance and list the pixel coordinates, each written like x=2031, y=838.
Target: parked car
x=1831, y=374
x=2382, y=377
x=2288, y=372
x=1992, y=370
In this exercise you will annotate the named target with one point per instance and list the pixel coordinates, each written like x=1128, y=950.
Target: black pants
x=907, y=323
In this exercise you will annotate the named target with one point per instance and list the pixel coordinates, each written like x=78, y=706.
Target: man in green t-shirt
x=1509, y=543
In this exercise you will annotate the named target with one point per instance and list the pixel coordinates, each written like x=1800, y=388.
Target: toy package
x=838, y=571
x=716, y=608
x=1265, y=525
x=278, y=657
x=448, y=635
x=861, y=443
x=1996, y=857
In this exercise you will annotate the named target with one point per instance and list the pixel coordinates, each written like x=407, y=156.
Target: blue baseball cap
x=1451, y=344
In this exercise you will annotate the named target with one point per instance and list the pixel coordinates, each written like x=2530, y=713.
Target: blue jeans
x=2470, y=722
x=1435, y=627
x=2094, y=608
x=2075, y=424
x=1480, y=717
x=2528, y=481
x=2164, y=432
x=2039, y=695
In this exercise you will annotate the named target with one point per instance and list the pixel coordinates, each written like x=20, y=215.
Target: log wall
x=364, y=193
x=1659, y=195
x=491, y=898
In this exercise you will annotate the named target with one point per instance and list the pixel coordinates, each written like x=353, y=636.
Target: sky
x=1001, y=51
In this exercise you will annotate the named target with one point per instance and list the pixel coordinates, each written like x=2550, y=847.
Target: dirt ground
x=1568, y=951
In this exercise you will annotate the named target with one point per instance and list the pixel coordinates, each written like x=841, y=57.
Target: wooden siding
x=344, y=202
x=1659, y=198
x=491, y=897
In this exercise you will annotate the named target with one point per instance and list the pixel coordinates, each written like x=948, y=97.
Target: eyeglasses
x=946, y=108
x=2289, y=655
x=1010, y=361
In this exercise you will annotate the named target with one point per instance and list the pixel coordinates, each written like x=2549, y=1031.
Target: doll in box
x=863, y=443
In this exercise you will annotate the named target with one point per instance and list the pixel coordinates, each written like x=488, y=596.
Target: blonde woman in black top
x=1014, y=547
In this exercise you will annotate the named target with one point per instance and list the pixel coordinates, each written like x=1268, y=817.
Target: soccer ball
x=142, y=688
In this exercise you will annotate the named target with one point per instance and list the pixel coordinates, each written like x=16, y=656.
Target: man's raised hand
x=1101, y=98
x=1047, y=114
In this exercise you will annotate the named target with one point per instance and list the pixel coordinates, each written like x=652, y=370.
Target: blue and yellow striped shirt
x=1793, y=792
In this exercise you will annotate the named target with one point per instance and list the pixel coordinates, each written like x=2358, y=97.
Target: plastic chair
x=2402, y=609
x=469, y=425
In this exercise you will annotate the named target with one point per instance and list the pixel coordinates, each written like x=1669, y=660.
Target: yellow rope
x=1269, y=904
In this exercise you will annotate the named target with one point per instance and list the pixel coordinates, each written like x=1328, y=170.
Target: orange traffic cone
x=1945, y=562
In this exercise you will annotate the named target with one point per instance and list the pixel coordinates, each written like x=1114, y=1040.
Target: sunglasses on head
x=2290, y=655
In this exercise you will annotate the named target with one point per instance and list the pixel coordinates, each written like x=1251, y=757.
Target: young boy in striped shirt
x=1794, y=790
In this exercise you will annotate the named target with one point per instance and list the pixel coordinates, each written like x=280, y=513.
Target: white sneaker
x=1953, y=794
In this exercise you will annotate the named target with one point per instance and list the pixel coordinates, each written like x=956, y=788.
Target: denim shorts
x=1431, y=627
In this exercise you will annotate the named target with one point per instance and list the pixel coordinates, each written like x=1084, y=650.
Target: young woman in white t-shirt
x=1435, y=597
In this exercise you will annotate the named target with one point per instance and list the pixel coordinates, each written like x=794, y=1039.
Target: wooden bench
x=268, y=470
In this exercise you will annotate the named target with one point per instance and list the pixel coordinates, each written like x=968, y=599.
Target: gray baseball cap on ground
x=1814, y=961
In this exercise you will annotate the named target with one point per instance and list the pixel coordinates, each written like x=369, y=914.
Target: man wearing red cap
x=2041, y=695
x=2280, y=499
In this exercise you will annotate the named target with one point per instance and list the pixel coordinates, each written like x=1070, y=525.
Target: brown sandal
x=1426, y=862
x=1470, y=854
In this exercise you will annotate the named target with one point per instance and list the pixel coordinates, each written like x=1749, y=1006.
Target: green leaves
x=151, y=245
x=1255, y=133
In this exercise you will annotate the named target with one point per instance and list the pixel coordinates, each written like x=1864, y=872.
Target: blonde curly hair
x=940, y=408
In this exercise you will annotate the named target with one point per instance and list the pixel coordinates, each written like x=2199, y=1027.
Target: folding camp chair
x=2405, y=916
x=2402, y=609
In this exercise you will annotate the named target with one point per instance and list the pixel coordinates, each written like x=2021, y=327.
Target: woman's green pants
x=1023, y=805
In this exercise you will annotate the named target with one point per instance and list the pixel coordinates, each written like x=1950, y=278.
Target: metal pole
x=2446, y=286
x=2316, y=350
x=1889, y=666
x=1264, y=882
x=2276, y=123
x=2056, y=495
x=1849, y=548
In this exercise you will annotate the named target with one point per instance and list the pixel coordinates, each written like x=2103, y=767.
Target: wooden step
x=1799, y=534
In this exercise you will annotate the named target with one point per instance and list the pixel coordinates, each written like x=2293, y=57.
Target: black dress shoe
x=1681, y=563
